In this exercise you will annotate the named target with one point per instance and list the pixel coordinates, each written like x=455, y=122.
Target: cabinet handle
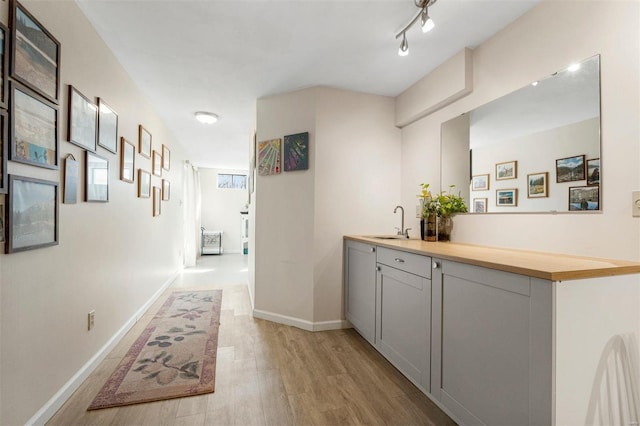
x=372, y=249
x=378, y=268
x=435, y=265
x=397, y=259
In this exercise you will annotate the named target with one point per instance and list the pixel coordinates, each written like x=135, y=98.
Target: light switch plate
x=635, y=203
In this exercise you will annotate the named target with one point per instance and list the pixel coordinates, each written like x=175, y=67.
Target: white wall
x=221, y=208
x=112, y=257
x=517, y=55
x=352, y=186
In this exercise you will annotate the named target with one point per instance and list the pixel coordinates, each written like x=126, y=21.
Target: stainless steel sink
x=388, y=237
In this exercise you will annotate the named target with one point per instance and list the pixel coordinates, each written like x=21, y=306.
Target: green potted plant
x=442, y=206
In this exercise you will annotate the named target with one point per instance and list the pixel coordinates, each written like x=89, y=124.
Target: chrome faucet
x=401, y=230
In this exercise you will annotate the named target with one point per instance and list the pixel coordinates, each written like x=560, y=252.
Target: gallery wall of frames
x=30, y=125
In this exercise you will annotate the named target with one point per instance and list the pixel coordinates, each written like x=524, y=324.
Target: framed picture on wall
x=538, y=185
x=507, y=170
x=35, y=53
x=570, y=169
x=593, y=171
x=479, y=205
x=83, y=120
x=33, y=144
x=4, y=67
x=507, y=197
x=71, y=179
x=156, y=164
x=296, y=152
x=107, y=127
x=269, y=157
x=127, y=160
x=144, y=184
x=144, y=142
x=96, y=178
x=166, y=188
x=584, y=198
x=3, y=152
x=480, y=182
x=157, y=198
x=166, y=157
x=32, y=214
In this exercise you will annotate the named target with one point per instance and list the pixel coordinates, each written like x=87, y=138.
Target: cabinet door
x=403, y=322
x=360, y=288
x=492, y=346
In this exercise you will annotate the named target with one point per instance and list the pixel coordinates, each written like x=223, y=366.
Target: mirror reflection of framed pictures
x=507, y=170
x=83, y=120
x=34, y=128
x=107, y=127
x=96, y=178
x=144, y=142
x=479, y=205
x=32, y=214
x=593, y=171
x=480, y=183
x=127, y=160
x=538, y=185
x=35, y=53
x=507, y=197
x=584, y=198
x=570, y=169
x=144, y=184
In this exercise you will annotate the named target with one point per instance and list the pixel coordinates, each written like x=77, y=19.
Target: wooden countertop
x=547, y=266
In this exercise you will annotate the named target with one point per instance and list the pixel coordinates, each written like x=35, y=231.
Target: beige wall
x=352, y=186
x=549, y=37
x=112, y=257
x=221, y=208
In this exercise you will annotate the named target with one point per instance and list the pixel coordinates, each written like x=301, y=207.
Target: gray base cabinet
x=492, y=346
x=403, y=317
x=360, y=287
x=478, y=341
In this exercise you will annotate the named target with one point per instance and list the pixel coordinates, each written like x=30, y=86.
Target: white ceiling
x=220, y=56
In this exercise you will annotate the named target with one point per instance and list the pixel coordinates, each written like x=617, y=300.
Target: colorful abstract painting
x=296, y=152
x=269, y=157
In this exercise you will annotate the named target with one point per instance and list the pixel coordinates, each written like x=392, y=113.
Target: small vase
x=422, y=228
x=431, y=228
x=445, y=226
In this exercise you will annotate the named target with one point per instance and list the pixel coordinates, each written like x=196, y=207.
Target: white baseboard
x=300, y=323
x=44, y=414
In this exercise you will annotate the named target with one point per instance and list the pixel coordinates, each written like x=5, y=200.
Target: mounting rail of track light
x=426, y=23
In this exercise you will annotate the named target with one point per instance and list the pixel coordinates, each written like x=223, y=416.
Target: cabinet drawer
x=409, y=262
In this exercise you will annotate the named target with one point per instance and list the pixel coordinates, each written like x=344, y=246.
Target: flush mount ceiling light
x=206, y=117
x=426, y=23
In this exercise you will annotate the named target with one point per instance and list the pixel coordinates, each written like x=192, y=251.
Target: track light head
x=404, y=46
x=426, y=22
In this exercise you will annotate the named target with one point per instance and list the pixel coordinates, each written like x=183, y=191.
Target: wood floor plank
x=275, y=403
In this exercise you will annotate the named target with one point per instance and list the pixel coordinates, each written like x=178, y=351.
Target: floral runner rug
x=175, y=356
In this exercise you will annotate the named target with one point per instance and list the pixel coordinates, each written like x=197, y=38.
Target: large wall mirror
x=534, y=150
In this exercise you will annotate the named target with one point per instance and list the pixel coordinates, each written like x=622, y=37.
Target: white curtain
x=191, y=214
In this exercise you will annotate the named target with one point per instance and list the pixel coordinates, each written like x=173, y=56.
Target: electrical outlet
x=92, y=320
x=635, y=203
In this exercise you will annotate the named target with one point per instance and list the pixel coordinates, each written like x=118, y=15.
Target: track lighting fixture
x=404, y=46
x=426, y=23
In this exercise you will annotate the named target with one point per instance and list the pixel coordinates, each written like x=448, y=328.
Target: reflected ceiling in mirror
x=534, y=150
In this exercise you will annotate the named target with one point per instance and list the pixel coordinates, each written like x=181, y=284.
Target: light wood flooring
x=269, y=374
